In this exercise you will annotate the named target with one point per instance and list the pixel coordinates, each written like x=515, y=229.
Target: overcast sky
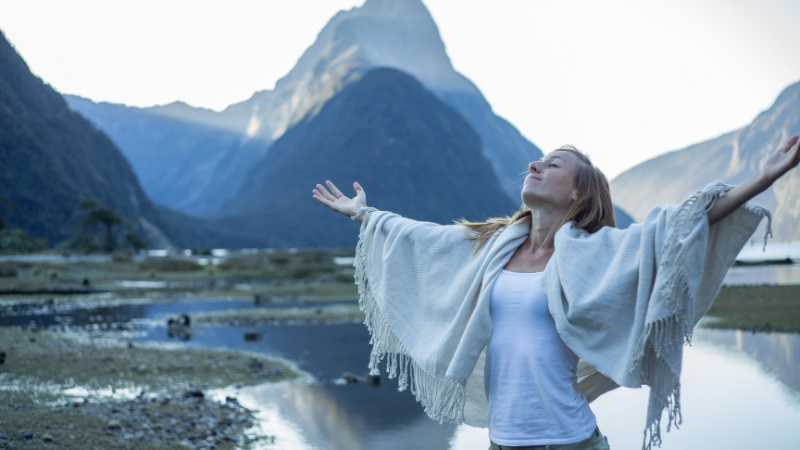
x=623, y=81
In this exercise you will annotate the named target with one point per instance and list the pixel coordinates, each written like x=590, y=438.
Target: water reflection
x=778, y=354
x=728, y=374
x=365, y=416
x=740, y=390
x=312, y=416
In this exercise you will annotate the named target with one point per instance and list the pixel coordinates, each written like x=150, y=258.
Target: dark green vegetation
x=112, y=229
x=757, y=308
x=18, y=241
x=51, y=158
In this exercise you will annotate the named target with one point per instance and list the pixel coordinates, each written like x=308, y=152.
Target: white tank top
x=530, y=377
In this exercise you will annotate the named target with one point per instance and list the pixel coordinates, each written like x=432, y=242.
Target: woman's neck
x=544, y=223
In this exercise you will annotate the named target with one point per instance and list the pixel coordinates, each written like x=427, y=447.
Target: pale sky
x=623, y=81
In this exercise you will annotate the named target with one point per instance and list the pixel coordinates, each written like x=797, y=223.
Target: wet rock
x=47, y=437
x=252, y=336
x=374, y=380
x=180, y=327
x=2, y=357
x=351, y=378
x=194, y=393
x=86, y=282
x=27, y=435
x=114, y=425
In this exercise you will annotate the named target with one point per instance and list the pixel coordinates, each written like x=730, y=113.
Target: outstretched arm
x=778, y=163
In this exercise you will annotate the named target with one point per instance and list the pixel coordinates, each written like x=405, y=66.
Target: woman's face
x=551, y=180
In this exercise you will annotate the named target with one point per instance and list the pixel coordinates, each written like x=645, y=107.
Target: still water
x=740, y=390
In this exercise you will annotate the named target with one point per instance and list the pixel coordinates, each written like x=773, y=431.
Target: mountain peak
x=393, y=33
x=395, y=8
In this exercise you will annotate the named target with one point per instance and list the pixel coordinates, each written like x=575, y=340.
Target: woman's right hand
x=337, y=201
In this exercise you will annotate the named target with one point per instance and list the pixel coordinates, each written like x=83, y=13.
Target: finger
x=333, y=188
x=315, y=193
x=325, y=193
x=796, y=150
x=793, y=141
x=359, y=189
x=327, y=199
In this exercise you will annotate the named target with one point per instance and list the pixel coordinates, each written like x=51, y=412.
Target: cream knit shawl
x=624, y=301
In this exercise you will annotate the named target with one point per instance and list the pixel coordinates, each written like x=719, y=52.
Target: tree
x=96, y=214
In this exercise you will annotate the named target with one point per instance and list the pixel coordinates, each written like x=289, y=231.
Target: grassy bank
x=757, y=308
x=301, y=276
x=257, y=316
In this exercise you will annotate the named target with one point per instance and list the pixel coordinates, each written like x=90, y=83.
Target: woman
x=552, y=306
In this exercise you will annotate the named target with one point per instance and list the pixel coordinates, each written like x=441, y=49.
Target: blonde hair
x=591, y=211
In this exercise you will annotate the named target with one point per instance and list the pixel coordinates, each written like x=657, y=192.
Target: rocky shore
x=67, y=392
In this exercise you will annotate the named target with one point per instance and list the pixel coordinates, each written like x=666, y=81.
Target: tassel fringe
x=442, y=397
x=665, y=337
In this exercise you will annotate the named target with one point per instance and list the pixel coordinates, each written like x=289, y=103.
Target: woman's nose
x=534, y=166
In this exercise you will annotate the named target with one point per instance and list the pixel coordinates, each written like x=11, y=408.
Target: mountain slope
x=51, y=158
x=413, y=154
x=731, y=158
x=381, y=33
x=195, y=172
x=186, y=166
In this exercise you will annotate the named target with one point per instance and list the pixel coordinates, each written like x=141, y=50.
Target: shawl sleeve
x=625, y=301
x=417, y=284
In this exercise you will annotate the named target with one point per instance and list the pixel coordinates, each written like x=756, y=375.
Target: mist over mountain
x=413, y=154
x=186, y=166
x=732, y=158
x=381, y=33
x=52, y=158
x=197, y=171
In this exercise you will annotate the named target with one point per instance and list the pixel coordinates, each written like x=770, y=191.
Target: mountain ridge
x=375, y=131
x=731, y=157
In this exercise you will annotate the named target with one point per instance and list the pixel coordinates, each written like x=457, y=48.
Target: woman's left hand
x=782, y=159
